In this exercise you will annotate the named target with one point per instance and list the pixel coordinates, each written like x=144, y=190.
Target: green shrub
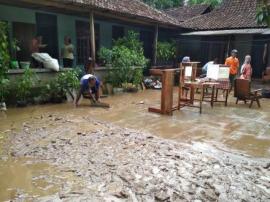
x=4, y=50
x=64, y=83
x=69, y=80
x=25, y=85
x=105, y=55
x=166, y=51
x=4, y=87
x=4, y=61
x=131, y=41
x=127, y=56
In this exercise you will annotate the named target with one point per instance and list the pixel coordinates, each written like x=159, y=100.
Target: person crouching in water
x=89, y=88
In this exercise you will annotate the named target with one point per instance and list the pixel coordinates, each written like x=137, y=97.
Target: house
x=91, y=24
x=202, y=33
x=232, y=25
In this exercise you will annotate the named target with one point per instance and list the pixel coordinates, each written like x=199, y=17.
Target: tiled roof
x=233, y=14
x=133, y=8
x=186, y=12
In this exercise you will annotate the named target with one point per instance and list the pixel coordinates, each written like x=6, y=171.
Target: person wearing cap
x=90, y=85
x=233, y=63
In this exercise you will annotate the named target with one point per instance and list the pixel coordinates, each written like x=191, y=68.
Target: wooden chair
x=243, y=92
x=191, y=75
x=188, y=84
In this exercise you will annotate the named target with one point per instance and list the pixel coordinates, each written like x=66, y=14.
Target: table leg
x=226, y=98
x=213, y=96
x=201, y=99
x=192, y=92
x=216, y=98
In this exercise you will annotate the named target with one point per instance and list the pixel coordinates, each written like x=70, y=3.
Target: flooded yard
x=125, y=153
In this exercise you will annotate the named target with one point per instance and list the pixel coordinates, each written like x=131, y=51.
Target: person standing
x=205, y=67
x=68, y=52
x=233, y=63
x=35, y=47
x=186, y=59
x=246, y=70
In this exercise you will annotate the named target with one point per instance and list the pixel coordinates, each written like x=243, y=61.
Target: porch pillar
x=228, y=47
x=154, y=62
x=92, y=42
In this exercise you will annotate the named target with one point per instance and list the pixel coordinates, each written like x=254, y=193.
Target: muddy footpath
x=111, y=163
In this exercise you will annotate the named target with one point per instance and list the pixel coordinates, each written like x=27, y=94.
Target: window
x=117, y=32
x=83, y=40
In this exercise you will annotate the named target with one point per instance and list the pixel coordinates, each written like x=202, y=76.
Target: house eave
x=228, y=32
x=83, y=11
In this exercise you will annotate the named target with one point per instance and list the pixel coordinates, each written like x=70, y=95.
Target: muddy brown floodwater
x=235, y=129
x=23, y=174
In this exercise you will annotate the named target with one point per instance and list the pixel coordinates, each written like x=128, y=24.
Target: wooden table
x=189, y=102
x=167, y=77
x=211, y=85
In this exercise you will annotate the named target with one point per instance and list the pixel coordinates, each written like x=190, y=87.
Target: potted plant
x=129, y=87
x=24, y=86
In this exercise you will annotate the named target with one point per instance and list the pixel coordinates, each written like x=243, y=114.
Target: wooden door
x=23, y=33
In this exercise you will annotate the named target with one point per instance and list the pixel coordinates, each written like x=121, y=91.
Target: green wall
x=15, y=14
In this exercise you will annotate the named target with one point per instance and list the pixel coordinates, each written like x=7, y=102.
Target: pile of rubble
x=118, y=164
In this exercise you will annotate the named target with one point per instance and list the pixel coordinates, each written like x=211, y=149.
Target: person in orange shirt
x=233, y=63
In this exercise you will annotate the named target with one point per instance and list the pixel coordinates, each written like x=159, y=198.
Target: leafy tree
x=166, y=50
x=163, y=4
x=263, y=13
x=4, y=60
x=125, y=55
x=211, y=2
x=4, y=49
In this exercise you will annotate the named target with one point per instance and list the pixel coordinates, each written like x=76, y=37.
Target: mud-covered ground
x=112, y=163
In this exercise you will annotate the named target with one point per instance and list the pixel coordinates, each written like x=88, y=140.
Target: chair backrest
x=188, y=71
x=242, y=88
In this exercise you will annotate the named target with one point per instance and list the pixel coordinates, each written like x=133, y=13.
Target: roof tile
x=233, y=14
x=129, y=7
x=186, y=12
